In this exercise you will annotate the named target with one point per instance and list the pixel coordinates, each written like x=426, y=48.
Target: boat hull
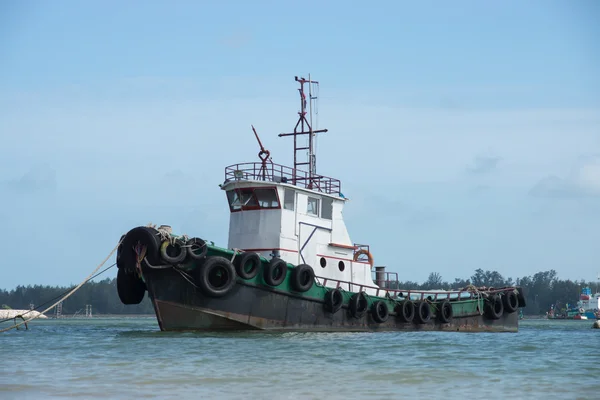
x=180, y=306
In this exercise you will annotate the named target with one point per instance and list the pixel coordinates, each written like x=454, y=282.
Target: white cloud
x=583, y=180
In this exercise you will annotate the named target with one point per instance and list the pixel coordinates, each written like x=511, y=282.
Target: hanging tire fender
x=216, y=276
x=510, y=301
x=358, y=305
x=494, y=307
x=173, y=252
x=146, y=236
x=130, y=287
x=119, y=251
x=302, y=278
x=333, y=300
x=275, y=272
x=445, y=312
x=521, y=297
x=247, y=265
x=422, y=312
x=196, y=249
x=406, y=311
x=380, y=311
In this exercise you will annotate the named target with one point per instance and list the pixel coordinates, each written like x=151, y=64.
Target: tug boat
x=290, y=264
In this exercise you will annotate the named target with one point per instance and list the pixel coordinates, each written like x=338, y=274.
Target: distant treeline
x=542, y=290
x=101, y=295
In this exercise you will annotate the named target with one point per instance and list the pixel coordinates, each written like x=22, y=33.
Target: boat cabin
x=280, y=211
x=299, y=225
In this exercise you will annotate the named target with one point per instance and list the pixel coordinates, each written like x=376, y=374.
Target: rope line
x=69, y=294
x=56, y=297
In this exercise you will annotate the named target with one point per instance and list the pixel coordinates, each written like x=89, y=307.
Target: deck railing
x=431, y=295
x=282, y=174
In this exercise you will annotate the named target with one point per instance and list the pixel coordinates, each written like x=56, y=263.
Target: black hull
x=180, y=306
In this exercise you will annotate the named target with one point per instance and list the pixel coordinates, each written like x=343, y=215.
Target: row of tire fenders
x=215, y=276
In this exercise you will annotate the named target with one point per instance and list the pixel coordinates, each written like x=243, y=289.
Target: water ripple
x=124, y=358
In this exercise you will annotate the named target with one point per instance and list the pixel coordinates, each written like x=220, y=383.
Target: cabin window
x=252, y=199
x=312, y=206
x=267, y=198
x=288, y=199
x=327, y=210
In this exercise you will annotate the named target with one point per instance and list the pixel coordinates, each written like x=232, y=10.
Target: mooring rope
x=56, y=297
x=478, y=294
x=90, y=276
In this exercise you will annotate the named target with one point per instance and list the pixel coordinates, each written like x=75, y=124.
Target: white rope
x=68, y=294
x=235, y=253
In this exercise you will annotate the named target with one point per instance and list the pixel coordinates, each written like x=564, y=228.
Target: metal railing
x=280, y=173
x=431, y=295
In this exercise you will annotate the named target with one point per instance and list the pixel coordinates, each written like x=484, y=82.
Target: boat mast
x=304, y=124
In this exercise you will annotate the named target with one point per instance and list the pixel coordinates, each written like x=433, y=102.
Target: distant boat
x=588, y=307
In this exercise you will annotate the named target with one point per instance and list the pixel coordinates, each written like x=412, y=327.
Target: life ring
x=173, y=252
x=303, y=277
x=358, y=305
x=196, y=249
x=275, y=272
x=423, y=312
x=365, y=252
x=494, y=307
x=445, y=312
x=380, y=311
x=130, y=287
x=511, y=301
x=216, y=276
x=333, y=300
x=247, y=265
x=406, y=311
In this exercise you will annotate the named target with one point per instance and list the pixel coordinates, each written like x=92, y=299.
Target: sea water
x=128, y=358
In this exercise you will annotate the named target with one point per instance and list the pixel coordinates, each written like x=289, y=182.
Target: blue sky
x=466, y=134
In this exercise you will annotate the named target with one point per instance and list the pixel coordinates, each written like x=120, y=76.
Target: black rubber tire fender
x=119, y=251
x=333, y=300
x=130, y=287
x=521, y=296
x=173, y=252
x=406, y=310
x=245, y=260
x=216, y=276
x=275, y=272
x=511, y=301
x=302, y=278
x=146, y=236
x=196, y=249
x=380, y=311
x=494, y=307
x=422, y=312
x=445, y=312
x=358, y=305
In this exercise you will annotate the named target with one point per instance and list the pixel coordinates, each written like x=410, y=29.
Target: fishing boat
x=290, y=264
x=587, y=307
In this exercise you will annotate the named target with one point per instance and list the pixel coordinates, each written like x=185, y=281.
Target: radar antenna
x=304, y=124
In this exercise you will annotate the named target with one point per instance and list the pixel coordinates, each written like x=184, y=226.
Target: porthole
x=323, y=262
x=341, y=266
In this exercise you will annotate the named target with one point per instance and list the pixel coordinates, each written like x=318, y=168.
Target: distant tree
x=433, y=282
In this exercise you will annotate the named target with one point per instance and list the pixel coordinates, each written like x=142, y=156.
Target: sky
x=466, y=134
